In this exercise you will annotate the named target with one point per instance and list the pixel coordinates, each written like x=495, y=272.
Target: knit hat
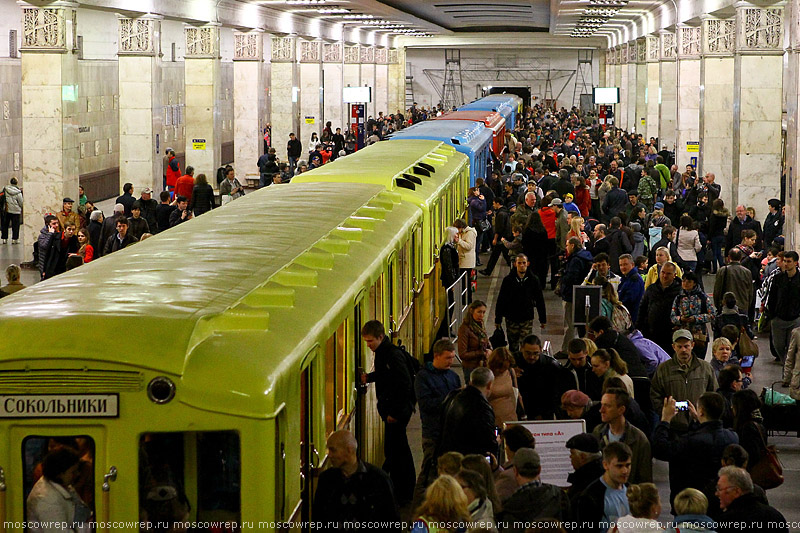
x=575, y=398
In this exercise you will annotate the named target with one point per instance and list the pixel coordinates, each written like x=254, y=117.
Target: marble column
x=332, y=77
x=688, y=54
x=623, y=74
x=641, y=86
x=50, y=119
x=653, y=90
x=368, y=75
x=668, y=83
x=633, y=83
x=310, y=92
x=758, y=96
x=716, y=102
x=381, y=81
x=792, y=89
x=351, y=76
x=284, y=101
x=202, y=85
x=249, y=100
x=397, y=82
x=141, y=115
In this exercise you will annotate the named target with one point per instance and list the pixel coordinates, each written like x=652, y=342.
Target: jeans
x=427, y=471
x=497, y=249
x=399, y=462
x=292, y=162
x=717, y=260
x=11, y=219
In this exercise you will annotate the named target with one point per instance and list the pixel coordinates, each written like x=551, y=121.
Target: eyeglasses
x=720, y=490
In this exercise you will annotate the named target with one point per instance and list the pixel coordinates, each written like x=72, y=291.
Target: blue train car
x=472, y=139
x=508, y=111
x=511, y=99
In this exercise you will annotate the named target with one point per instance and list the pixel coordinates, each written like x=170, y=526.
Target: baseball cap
x=555, y=201
x=682, y=334
x=584, y=442
x=658, y=205
x=68, y=200
x=527, y=462
x=568, y=196
x=147, y=190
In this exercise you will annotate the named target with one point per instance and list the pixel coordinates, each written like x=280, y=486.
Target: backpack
x=414, y=366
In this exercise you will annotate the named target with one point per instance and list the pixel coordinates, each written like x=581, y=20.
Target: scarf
x=477, y=328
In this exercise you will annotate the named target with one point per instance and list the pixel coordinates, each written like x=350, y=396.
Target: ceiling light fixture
x=359, y=16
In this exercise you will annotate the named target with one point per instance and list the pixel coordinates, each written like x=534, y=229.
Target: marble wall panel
x=641, y=105
x=716, y=138
x=226, y=91
x=758, y=179
x=99, y=83
x=172, y=93
x=396, y=99
x=310, y=103
x=281, y=107
x=332, y=105
x=368, y=80
x=653, y=97
x=247, y=89
x=668, y=118
x=688, y=108
x=382, y=89
x=203, y=119
x=758, y=103
x=631, y=98
x=352, y=75
x=624, y=91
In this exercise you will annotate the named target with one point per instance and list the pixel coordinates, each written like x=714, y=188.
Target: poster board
x=551, y=440
x=585, y=303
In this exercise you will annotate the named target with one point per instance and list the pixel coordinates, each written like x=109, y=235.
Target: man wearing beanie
x=533, y=500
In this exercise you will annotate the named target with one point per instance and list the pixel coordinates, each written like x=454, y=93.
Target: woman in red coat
x=582, y=198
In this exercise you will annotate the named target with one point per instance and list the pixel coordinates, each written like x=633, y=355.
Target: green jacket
x=665, y=174
x=647, y=187
x=642, y=461
x=682, y=383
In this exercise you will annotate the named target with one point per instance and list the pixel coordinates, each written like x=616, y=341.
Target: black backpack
x=414, y=366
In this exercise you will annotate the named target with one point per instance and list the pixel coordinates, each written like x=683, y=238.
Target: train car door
x=310, y=425
x=74, y=459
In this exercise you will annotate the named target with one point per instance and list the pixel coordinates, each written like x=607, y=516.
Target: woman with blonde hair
x=473, y=342
x=505, y=391
x=86, y=250
x=662, y=258
x=645, y=507
x=607, y=364
x=613, y=309
x=576, y=230
x=691, y=508
x=445, y=505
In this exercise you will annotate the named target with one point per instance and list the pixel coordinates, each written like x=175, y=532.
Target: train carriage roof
x=142, y=305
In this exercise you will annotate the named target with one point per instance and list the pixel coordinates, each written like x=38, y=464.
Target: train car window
x=331, y=384
x=192, y=476
x=336, y=379
x=403, y=279
x=64, y=465
x=390, y=286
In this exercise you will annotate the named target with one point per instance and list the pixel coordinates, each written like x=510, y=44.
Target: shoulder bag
x=767, y=472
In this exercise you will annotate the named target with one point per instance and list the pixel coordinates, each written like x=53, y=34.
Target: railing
x=457, y=302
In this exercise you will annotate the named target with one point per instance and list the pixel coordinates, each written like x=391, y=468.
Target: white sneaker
x=5, y=241
x=15, y=241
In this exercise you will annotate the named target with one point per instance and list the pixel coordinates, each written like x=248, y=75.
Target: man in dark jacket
x=735, y=278
x=109, y=228
x=576, y=374
x=586, y=459
x=350, y=490
x=564, y=186
x=95, y=230
x=606, y=337
x=49, y=247
x=773, y=224
x=432, y=384
x=137, y=225
x=618, y=244
x=605, y=500
x=538, y=383
x=394, y=387
x=502, y=230
x=783, y=304
x=742, y=221
x=693, y=456
x=667, y=241
x=533, y=500
x=615, y=201
x=294, y=149
x=121, y=238
x=656, y=308
x=673, y=208
x=519, y=293
x=469, y=418
x=149, y=206
x=164, y=211
x=579, y=262
x=182, y=213
x=743, y=510
x=127, y=198
x=631, y=286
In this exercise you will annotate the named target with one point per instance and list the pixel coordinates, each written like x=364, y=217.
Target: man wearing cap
x=615, y=428
x=533, y=500
x=773, y=223
x=605, y=500
x=67, y=215
x=587, y=461
x=683, y=378
x=149, y=206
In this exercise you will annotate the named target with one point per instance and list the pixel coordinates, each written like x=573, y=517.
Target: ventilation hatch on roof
x=295, y=275
x=406, y=184
x=412, y=178
x=270, y=295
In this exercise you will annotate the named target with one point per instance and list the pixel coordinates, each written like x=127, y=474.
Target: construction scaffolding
x=584, y=83
x=453, y=87
x=409, y=86
x=501, y=68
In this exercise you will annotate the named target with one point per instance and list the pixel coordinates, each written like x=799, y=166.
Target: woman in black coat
x=202, y=196
x=748, y=424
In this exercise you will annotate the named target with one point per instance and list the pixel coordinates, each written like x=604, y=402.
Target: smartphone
x=488, y=458
x=682, y=406
x=747, y=361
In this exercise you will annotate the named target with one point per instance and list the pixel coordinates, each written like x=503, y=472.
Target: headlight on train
x=161, y=389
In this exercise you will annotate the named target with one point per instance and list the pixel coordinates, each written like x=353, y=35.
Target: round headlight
x=161, y=389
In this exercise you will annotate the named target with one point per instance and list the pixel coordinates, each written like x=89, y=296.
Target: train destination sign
x=59, y=405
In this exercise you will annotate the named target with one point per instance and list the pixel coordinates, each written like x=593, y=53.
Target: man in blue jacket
x=432, y=385
x=631, y=287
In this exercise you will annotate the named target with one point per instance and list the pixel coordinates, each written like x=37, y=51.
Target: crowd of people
x=573, y=205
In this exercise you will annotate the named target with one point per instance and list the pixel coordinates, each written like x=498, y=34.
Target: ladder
x=584, y=80
x=409, y=86
x=453, y=90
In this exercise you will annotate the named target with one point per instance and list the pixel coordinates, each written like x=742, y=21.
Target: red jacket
x=583, y=200
x=173, y=172
x=548, y=216
x=184, y=186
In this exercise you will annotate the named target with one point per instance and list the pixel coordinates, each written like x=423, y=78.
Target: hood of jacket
x=585, y=255
x=722, y=212
x=13, y=190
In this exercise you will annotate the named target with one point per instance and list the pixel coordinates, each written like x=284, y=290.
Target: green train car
x=200, y=372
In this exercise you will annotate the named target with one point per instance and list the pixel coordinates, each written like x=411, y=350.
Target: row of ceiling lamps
x=596, y=14
x=366, y=20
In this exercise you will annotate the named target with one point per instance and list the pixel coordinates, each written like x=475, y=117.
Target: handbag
x=746, y=345
x=768, y=471
x=484, y=225
x=498, y=339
